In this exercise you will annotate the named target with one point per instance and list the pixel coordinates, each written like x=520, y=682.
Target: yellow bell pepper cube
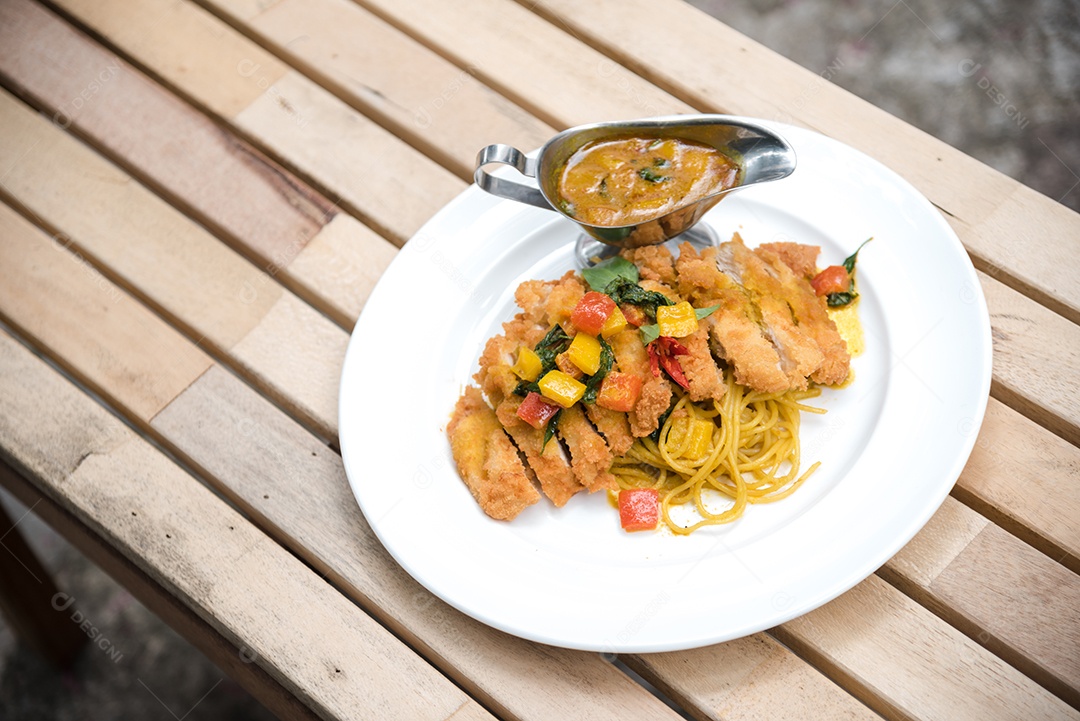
x=677, y=321
x=695, y=433
x=528, y=365
x=584, y=352
x=562, y=389
x=616, y=323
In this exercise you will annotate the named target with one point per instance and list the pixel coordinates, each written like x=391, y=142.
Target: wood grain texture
x=129, y=230
x=1026, y=238
x=254, y=592
x=345, y=260
x=1013, y=600
x=539, y=66
x=906, y=663
x=439, y=108
x=1024, y=478
x=191, y=49
x=220, y=301
x=257, y=454
x=314, y=134
x=1036, y=356
x=245, y=198
x=748, y=678
x=236, y=662
x=390, y=186
x=88, y=324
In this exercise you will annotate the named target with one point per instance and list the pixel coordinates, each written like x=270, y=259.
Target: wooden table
x=197, y=198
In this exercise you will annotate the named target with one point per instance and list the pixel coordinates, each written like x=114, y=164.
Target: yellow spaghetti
x=744, y=446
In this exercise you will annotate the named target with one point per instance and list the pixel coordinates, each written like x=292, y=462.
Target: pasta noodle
x=749, y=453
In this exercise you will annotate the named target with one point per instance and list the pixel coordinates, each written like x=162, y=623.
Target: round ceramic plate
x=891, y=444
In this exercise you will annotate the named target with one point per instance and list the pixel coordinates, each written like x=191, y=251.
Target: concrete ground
x=997, y=79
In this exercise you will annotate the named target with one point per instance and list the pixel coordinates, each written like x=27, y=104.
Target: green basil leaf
x=703, y=313
x=624, y=291
x=649, y=333
x=549, y=430
x=592, y=386
x=603, y=273
x=650, y=175
x=849, y=262
x=837, y=300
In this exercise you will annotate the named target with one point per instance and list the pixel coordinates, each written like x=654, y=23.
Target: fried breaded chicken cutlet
x=487, y=461
x=595, y=361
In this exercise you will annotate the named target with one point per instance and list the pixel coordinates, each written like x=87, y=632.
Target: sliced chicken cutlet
x=658, y=274
x=614, y=426
x=799, y=353
x=654, y=262
x=590, y=456
x=702, y=374
x=548, y=461
x=487, y=460
x=802, y=259
x=734, y=328
x=656, y=391
x=811, y=314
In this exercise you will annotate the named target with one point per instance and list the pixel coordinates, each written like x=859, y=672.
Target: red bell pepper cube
x=592, y=311
x=619, y=391
x=639, y=509
x=536, y=410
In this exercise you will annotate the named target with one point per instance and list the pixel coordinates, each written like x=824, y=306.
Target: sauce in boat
x=632, y=180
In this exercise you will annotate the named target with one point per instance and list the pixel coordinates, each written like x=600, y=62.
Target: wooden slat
x=282, y=225
x=746, y=679
x=236, y=662
x=437, y=107
x=221, y=301
x=1011, y=598
x=539, y=66
x=1015, y=233
x=906, y=663
x=250, y=589
x=1025, y=480
x=1038, y=375
x=306, y=128
x=31, y=261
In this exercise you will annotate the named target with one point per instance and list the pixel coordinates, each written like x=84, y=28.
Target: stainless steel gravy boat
x=761, y=155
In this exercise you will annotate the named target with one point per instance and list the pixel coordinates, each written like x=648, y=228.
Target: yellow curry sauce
x=632, y=180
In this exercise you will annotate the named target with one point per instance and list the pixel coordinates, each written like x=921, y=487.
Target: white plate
x=891, y=445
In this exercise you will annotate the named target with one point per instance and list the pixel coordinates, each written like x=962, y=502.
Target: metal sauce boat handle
x=504, y=187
